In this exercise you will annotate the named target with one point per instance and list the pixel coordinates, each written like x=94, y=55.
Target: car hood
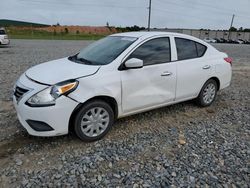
x=59, y=70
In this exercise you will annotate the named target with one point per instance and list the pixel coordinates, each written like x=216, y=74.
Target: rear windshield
x=2, y=32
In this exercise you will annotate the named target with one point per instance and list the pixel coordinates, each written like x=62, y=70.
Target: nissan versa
x=117, y=76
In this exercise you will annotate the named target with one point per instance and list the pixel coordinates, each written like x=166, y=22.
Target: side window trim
x=195, y=47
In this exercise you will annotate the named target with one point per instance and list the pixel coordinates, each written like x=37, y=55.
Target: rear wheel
x=94, y=120
x=208, y=93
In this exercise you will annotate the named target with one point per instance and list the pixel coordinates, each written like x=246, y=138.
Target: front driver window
x=154, y=51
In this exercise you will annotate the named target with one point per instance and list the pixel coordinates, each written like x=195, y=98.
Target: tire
x=208, y=93
x=93, y=121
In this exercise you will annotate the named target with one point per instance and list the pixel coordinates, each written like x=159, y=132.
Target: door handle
x=166, y=73
x=206, y=67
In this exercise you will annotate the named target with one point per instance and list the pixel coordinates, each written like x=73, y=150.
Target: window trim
x=122, y=67
x=195, y=47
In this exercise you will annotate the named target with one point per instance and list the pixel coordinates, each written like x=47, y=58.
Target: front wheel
x=94, y=120
x=208, y=93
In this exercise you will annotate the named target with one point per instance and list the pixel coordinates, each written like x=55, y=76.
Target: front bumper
x=57, y=116
x=5, y=42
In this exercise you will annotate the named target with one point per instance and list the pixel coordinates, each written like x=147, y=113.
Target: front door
x=153, y=84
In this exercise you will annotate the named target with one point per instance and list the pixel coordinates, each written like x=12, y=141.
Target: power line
x=229, y=11
x=187, y=16
x=169, y=11
x=79, y=4
x=219, y=10
x=187, y=6
x=202, y=5
x=211, y=6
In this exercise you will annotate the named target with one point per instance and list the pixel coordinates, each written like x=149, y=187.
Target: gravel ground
x=176, y=146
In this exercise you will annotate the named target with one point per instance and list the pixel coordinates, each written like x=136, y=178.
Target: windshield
x=2, y=32
x=103, y=51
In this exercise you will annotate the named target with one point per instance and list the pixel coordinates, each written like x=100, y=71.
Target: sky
x=193, y=14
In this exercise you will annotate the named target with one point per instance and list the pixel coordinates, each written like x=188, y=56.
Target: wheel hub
x=209, y=93
x=95, y=121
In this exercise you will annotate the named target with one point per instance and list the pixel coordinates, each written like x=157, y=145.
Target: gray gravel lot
x=176, y=146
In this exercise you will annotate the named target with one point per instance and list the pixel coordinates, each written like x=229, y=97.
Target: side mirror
x=133, y=63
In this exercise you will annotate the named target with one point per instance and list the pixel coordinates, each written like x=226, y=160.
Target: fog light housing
x=39, y=126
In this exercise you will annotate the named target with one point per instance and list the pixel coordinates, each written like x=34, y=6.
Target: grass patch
x=52, y=37
x=44, y=35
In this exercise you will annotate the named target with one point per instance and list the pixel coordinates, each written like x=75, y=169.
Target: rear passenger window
x=188, y=49
x=201, y=49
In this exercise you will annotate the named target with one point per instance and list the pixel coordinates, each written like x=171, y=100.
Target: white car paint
x=134, y=90
x=68, y=70
x=240, y=41
x=210, y=40
x=4, y=39
x=58, y=115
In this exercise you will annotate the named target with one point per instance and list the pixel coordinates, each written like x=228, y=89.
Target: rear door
x=153, y=84
x=193, y=69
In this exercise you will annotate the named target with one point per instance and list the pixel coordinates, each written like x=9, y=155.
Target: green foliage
x=66, y=30
x=40, y=34
x=132, y=28
x=233, y=29
x=246, y=30
x=107, y=25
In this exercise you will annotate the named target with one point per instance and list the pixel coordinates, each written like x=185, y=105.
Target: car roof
x=146, y=34
x=149, y=34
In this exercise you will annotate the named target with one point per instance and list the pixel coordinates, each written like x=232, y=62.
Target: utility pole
x=149, y=14
x=232, y=21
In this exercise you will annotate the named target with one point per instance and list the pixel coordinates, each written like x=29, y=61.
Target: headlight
x=48, y=96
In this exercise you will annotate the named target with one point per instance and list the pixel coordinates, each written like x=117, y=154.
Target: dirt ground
x=202, y=146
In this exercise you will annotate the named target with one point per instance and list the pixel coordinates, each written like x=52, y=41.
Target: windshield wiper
x=82, y=60
x=73, y=57
x=85, y=61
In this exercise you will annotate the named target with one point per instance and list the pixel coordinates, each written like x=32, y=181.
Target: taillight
x=228, y=60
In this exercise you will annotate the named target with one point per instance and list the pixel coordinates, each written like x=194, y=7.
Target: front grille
x=19, y=92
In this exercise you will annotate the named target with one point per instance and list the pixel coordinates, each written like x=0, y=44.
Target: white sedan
x=210, y=40
x=4, y=39
x=119, y=75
